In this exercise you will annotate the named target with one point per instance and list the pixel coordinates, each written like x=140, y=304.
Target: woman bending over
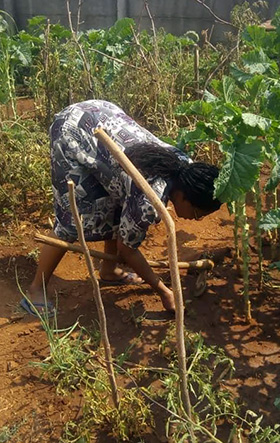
x=113, y=209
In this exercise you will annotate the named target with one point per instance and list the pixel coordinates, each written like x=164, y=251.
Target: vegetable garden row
x=221, y=104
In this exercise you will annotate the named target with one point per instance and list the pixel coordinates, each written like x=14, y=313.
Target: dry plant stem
x=245, y=255
x=79, y=15
x=238, y=260
x=275, y=231
x=142, y=53
x=196, y=69
x=220, y=65
x=46, y=68
x=258, y=207
x=97, y=295
x=187, y=420
x=219, y=19
x=197, y=264
x=116, y=59
x=153, y=29
x=10, y=84
x=138, y=44
x=74, y=36
x=172, y=255
x=207, y=41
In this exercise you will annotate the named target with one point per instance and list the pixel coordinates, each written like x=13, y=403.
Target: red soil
x=255, y=348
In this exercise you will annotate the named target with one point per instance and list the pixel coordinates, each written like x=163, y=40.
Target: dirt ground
x=30, y=406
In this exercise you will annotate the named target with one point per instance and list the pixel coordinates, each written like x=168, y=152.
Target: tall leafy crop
x=240, y=113
x=14, y=57
x=58, y=67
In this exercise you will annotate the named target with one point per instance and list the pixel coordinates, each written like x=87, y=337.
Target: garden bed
x=30, y=405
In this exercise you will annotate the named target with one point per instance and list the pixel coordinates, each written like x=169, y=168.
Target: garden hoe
x=202, y=266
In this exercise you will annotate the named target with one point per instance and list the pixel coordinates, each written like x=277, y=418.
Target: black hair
x=195, y=180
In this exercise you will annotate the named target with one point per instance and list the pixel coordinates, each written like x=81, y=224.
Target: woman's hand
x=167, y=297
x=138, y=263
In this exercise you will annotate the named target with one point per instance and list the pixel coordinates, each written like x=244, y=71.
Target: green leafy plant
x=208, y=369
x=9, y=432
x=14, y=55
x=239, y=115
x=76, y=362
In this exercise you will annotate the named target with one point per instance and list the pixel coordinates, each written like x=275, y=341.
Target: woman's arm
x=138, y=263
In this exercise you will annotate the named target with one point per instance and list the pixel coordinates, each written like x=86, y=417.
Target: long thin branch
x=153, y=28
x=96, y=294
x=196, y=68
x=116, y=59
x=142, y=53
x=220, y=65
x=74, y=36
x=79, y=15
x=140, y=47
x=140, y=181
x=46, y=69
x=203, y=264
x=219, y=19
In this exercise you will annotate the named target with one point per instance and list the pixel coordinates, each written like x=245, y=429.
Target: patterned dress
x=109, y=202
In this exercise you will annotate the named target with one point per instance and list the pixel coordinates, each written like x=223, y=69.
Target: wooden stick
x=200, y=265
x=96, y=294
x=196, y=70
x=140, y=181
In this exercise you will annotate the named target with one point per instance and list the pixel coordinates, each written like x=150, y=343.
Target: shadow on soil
x=135, y=316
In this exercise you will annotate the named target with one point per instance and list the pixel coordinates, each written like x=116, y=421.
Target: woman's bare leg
x=109, y=270
x=49, y=259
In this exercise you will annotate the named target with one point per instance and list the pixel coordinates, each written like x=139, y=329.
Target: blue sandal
x=28, y=307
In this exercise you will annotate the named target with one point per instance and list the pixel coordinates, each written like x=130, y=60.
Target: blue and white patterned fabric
x=109, y=202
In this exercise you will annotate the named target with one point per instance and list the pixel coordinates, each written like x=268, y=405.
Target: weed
x=24, y=167
x=136, y=319
x=33, y=254
x=66, y=365
x=277, y=402
x=77, y=363
x=124, y=356
x=8, y=432
x=207, y=369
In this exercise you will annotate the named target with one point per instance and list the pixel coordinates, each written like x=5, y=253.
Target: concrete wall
x=176, y=16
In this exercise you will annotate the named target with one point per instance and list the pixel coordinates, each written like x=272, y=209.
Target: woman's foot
x=119, y=277
x=36, y=297
x=35, y=304
x=36, y=308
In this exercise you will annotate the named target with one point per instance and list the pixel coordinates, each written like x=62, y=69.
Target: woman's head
x=196, y=182
x=192, y=183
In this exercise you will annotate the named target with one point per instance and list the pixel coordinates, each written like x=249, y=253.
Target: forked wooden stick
x=173, y=261
x=96, y=294
x=200, y=265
